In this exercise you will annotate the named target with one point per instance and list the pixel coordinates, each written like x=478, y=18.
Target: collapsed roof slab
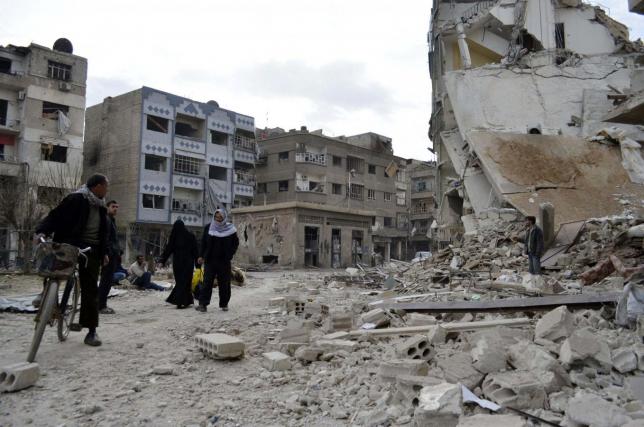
x=598, y=108
x=630, y=112
x=581, y=179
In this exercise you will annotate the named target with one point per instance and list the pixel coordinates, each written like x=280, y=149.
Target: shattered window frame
x=155, y=163
x=50, y=110
x=53, y=153
x=156, y=124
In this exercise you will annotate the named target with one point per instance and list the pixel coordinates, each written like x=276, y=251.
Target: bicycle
x=56, y=261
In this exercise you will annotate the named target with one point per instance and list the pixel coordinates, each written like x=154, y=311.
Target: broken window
x=355, y=164
x=59, y=71
x=371, y=194
x=261, y=188
x=152, y=201
x=356, y=191
x=53, y=153
x=560, y=36
x=4, y=105
x=283, y=156
x=187, y=165
x=155, y=163
x=337, y=161
x=5, y=65
x=216, y=172
x=337, y=189
x=157, y=124
x=372, y=169
x=283, y=186
x=218, y=138
x=50, y=110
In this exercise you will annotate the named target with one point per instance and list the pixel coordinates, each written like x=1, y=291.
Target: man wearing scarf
x=81, y=220
x=218, y=246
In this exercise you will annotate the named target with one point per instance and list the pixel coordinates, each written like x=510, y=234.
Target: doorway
x=356, y=247
x=311, y=245
x=336, y=248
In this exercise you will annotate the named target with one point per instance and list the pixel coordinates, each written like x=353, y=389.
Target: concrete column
x=547, y=221
x=387, y=254
x=466, y=60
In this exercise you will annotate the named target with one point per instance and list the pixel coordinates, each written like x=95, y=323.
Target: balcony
x=308, y=157
x=9, y=165
x=245, y=178
x=187, y=206
x=245, y=143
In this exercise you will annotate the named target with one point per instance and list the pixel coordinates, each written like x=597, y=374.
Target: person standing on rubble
x=81, y=220
x=182, y=245
x=218, y=246
x=533, y=245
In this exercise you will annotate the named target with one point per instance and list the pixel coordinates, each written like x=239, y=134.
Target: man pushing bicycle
x=81, y=220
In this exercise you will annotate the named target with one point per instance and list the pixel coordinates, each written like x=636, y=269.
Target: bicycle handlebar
x=81, y=252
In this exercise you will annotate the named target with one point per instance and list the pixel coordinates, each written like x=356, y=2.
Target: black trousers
x=220, y=271
x=89, y=290
x=107, y=278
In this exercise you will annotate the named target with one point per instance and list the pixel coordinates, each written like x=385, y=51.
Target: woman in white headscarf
x=218, y=246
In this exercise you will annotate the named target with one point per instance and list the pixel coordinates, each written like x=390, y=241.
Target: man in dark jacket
x=81, y=220
x=533, y=245
x=218, y=246
x=113, y=252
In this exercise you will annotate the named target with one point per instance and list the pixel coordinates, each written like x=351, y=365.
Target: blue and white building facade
x=193, y=157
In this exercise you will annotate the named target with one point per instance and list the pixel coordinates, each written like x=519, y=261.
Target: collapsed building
x=533, y=102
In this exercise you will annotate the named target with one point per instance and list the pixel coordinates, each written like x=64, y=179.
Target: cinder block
x=335, y=345
x=308, y=354
x=339, y=321
x=276, y=361
x=391, y=369
x=18, y=376
x=295, y=335
x=220, y=346
x=277, y=302
x=416, y=347
x=408, y=388
x=376, y=316
x=519, y=389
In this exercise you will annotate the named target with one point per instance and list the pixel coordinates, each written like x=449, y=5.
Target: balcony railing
x=317, y=158
x=245, y=143
x=186, y=206
x=479, y=8
x=245, y=178
x=419, y=210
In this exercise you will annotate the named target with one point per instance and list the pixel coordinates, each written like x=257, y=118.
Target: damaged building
x=532, y=102
x=42, y=110
x=169, y=158
x=326, y=202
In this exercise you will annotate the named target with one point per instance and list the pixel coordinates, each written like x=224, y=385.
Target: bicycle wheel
x=49, y=301
x=68, y=307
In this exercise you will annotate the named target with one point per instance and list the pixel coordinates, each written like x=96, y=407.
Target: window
x=421, y=186
x=261, y=188
x=4, y=105
x=152, y=201
x=2, y=158
x=356, y=192
x=216, y=172
x=403, y=221
x=400, y=175
x=400, y=198
x=387, y=197
x=371, y=194
x=187, y=165
x=157, y=124
x=59, y=71
x=283, y=186
x=53, y=153
x=186, y=129
x=337, y=189
x=218, y=138
x=372, y=169
x=560, y=36
x=283, y=156
x=388, y=221
x=155, y=163
x=50, y=110
x=355, y=164
x=337, y=161
x=5, y=65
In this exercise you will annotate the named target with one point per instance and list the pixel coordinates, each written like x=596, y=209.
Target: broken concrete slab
x=526, y=356
x=555, y=325
x=439, y=406
x=339, y=321
x=220, y=346
x=295, y=335
x=418, y=319
x=335, y=345
x=624, y=360
x=584, y=346
x=391, y=369
x=377, y=316
x=591, y=410
x=519, y=389
x=485, y=420
x=416, y=347
x=276, y=361
x=436, y=334
x=457, y=368
x=308, y=354
x=18, y=376
x=489, y=354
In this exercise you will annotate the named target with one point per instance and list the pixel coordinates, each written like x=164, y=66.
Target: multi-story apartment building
x=327, y=202
x=168, y=158
x=42, y=109
x=422, y=202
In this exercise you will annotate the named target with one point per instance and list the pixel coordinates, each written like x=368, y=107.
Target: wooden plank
x=449, y=327
x=509, y=304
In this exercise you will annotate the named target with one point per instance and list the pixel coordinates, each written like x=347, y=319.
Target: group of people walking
x=83, y=219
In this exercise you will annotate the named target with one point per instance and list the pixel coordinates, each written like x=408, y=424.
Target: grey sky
x=347, y=66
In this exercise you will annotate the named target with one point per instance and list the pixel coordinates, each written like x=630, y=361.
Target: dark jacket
x=534, y=241
x=218, y=249
x=67, y=222
x=182, y=245
x=113, y=248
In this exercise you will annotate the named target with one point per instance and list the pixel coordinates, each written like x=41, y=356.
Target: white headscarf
x=223, y=228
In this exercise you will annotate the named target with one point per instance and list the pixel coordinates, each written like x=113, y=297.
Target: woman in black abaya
x=183, y=248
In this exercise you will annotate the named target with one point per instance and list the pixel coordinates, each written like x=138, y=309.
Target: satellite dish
x=211, y=102
x=63, y=45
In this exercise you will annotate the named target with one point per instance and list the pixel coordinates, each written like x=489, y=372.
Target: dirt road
x=149, y=371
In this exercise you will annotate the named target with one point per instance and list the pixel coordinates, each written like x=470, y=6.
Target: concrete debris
x=220, y=346
x=439, y=405
x=276, y=361
x=584, y=346
x=391, y=369
x=518, y=389
x=484, y=420
x=458, y=368
x=18, y=376
x=416, y=347
x=555, y=325
x=591, y=410
x=377, y=317
x=624, y=360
